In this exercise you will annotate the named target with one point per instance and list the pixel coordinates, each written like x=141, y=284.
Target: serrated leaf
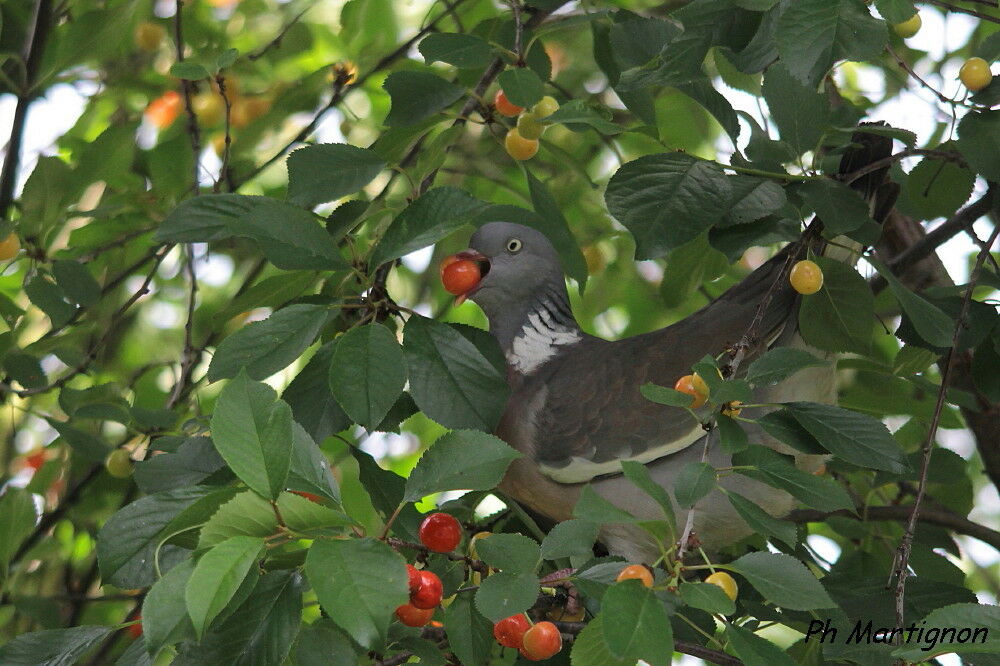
x=262, y=348
x=367, y=373
x=752, y=199
x=205, y=218
x=191, y=71
x=568, y=538
x=195, y=460
x=593, y=507
x=933, y=325
x=445, y=465
x=418, y=95
x=576, y=113
x=782, y=580
x=813, y=34
x=217, y=576
x=432, y=216
x=76, y=282
x=761, y=521
x=895, y=11
x=662, y=395
x=311, y=400
x=522, y=86
x=503, y=594
x=782, y=425
x=780, y=363
x=755, y=650
x=450, y=379
x=553, y=224
x=165, y=620
x=590, y=648
x=840, y=208
x=460, y=50
x=973, y=616
x=252, y=430
x=979, y=141
x=707, y=597
x=509, y=552
x=640, y=477
x=857, y=438
x=359, y=583
x=470, y=635
x=52, y=647
x=17, y=520
x=799, y=112
x=777, y=470
x=696, y=479
x=839, y=316
x=289, y=237
x=666, y=200
x=329, y=171
x=640, y=628
x=936, y=188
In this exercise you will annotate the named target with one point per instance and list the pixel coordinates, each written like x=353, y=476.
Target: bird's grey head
x=519, y=266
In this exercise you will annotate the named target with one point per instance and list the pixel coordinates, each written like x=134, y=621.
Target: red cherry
x=440, y=532
x=509, y=631
x=428, y=595
x=504, y=106
x=541, y=641
x=459, y=275
x=35, y=460
x=414, y=578
x=312, y=497
x=135, y=630
x=414, y=617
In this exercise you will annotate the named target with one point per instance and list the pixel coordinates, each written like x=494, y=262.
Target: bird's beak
x=481, y=260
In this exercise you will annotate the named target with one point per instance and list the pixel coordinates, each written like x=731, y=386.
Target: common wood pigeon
x=575, y=409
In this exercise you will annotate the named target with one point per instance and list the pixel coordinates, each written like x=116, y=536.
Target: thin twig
x=903, y=553
x=276, y=42
x=945, y=155
x=188, y=88
x=963, y=10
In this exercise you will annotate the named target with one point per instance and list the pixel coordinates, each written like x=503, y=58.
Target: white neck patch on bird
x=539, y=340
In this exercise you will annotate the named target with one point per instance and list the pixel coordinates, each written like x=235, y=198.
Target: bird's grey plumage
x=575, y=409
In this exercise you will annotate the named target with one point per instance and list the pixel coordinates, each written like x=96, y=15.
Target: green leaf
x=509, y=552
x=450, y=379
x=505, y=593
x=732, y=436
x=205, y=218
x=460, y=50
x=367, y=373
x=936, y=188
x=127, y=542
x=911, y=360
x=639, y=626
x=799, y=112
x=17, y=520
x=359, y=583
x=752, y=199
x=311, y=399
x=48, y=297
x=688, y=268
x=857, y=438
x=776, y=470
x=979, y=141
x=666, y=200
x=782, y=580
x=696, y=479
x=595, y=508
x=640, y=477
x=755, y=650
x=973, y=616
x=189, y=70
x=226, y=59
x=193, y=462
x=783, y=426
x=521, y=86
x=761, y=521
x=323, y=644
x=44, y=197
x=273, y=292
x=431, y=217
x=933, y=325
x=310, y=470
x=52, y=647
x=895, y=11
x=328, y=171
x=840, y=208
x=288, y=236
x=25, y=369
x=217, y=576
x=813, y=34
x=260, y=631
x=707, y=597
x=577, y=112
x=76, y=282
x=249, y=514
x=446, y=465
x=165, y=620
x=262, y=348
x=839, y=316
x=554, y=225
x=568, y=538
x=470, y=635
x=590, y=648
x=780, y=363
x=418, y=95
x=252, y=430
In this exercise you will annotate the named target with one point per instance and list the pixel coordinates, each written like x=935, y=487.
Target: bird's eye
x=514, y=245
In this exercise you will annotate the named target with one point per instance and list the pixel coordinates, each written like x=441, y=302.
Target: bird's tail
x=866, y=150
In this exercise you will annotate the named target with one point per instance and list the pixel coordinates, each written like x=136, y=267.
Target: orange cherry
x=687, y=384
x=541, y=641
x=504, y=106
x=459, y=275
x=412, y=616
x=638, y=572
x=510, y=631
